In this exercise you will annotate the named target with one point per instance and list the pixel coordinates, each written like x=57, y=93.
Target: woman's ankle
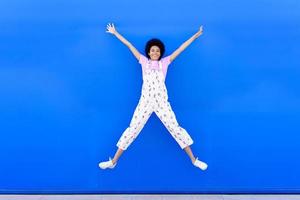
x=193, y=160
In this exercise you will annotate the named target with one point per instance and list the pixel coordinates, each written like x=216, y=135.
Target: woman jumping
x=154, y=97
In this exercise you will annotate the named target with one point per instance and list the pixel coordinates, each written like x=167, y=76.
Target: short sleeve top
x=154, y=64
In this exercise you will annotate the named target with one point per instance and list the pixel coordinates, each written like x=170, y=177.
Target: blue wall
x=68, y=90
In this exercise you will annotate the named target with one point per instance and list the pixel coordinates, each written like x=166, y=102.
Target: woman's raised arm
x=186, y=44
x=111, y=29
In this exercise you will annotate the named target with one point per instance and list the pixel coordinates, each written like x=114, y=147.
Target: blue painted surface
x=68, y=90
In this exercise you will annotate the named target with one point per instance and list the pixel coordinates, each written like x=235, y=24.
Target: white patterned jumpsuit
x=154, y=98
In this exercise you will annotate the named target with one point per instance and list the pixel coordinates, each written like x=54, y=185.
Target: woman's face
x=154, y=53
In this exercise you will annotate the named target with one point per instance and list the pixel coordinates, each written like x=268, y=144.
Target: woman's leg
x=198, y=163
x=140, y=116
x=189, y=152
x=118, y=153
x=139, y=119
x=168, y=118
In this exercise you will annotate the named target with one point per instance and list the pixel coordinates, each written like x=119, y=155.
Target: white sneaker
x=200, y=164
x=107, y=164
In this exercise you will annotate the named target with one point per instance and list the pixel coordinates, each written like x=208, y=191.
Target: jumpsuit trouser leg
x=166, y=115
x=141, y=115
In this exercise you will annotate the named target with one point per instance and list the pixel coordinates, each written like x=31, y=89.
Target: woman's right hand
x=111, y=28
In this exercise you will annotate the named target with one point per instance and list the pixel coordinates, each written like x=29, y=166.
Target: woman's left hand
x=200, y=32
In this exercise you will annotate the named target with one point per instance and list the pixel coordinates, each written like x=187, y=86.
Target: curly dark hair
x=155, y=42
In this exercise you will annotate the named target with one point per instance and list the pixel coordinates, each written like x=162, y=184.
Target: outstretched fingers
x=201, y=29
x=110, y=28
